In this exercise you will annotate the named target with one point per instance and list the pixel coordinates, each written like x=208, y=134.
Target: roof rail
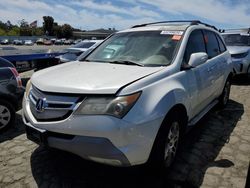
x=235, y=30
x=191, y=22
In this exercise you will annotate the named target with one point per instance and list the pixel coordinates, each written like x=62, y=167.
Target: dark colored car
x=11, y=93
x=5, y=41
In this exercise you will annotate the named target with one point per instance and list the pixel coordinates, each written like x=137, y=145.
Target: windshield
x=237, y=39
x=83, y=45
x=147, y=48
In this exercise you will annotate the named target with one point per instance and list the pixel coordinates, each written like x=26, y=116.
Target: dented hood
x=89, y=77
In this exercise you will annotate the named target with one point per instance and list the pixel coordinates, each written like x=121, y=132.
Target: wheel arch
x=176, y=109
x=10, y=100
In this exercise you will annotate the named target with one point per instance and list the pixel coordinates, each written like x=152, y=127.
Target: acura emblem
x=41, y=105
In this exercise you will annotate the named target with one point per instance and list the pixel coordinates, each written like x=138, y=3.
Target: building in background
x=94, y=34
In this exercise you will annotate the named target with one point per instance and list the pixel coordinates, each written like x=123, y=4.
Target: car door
x=199, y=75
x=222, y=65
x=215, y=60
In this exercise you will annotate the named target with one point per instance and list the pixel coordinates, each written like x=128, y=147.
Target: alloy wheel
x=226, y=93
x=171, y=143
x=5, y=116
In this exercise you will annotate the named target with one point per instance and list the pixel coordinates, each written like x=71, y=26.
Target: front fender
x=156, y=101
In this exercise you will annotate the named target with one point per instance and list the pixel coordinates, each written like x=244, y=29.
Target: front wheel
x=224, y=98
x=167, y=142
x=171, y=144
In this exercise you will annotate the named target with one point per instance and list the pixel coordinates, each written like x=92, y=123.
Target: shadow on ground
x=14, y=131
x=201, y=146
x=241, y=80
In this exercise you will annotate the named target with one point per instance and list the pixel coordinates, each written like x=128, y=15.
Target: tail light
x=17, y=76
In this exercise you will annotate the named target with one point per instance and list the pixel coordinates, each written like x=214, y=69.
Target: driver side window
x=195, y=44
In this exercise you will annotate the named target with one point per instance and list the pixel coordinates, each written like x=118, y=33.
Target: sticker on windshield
x=176, y=37
x=171, y=32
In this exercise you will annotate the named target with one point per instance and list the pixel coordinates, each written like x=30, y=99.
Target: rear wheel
x=7, y=114
x=248, y=73
x=224, y=98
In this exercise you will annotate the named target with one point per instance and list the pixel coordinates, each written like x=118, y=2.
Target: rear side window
x=221, y=44
x=195, y=44
x=211, y=44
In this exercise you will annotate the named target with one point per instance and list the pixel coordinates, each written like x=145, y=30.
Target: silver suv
x=238, y=44
x=131, y=99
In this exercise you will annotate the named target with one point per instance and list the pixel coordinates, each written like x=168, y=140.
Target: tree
x=25, y=30
x=2, y=32
x=23, y=23
x=15, y=31
x=38, y=31
x=67, y=30
x=57, y=30
x=48, y=23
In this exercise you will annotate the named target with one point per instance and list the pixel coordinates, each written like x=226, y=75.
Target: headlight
x=115, y=106
x=28, y=88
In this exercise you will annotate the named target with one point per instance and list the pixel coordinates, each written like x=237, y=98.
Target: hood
x=76, y=49
x=89, y=77
x=238, y=49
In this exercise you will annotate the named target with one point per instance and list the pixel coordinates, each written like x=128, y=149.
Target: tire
x=248, y=73
x=7, y=115
x=167, y=142
x=224, y=98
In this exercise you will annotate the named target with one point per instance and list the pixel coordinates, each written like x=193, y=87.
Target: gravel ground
x=215, y=154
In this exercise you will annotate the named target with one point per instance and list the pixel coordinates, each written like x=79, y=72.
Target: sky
x=122, y=14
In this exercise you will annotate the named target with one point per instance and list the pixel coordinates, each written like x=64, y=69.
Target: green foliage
x=2, y=32
x=15, y=31
x=48, y=23
x=23, y=23
x=38, y=31
x=24, y=29
x=58, y=31
x=67, y=31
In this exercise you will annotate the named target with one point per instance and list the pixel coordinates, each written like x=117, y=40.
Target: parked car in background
x=58, y=42
x=77, y=41
x=5, y=41
x=53, y=40
x=131, y=104
x=72, y=53
x=28, y=42
x=47, y=42
x=17, y=42
x=11, y=93
x=238, y=44
x=40, y=41
x=68, y=42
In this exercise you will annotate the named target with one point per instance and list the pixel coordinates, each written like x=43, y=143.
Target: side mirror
x=197, y=59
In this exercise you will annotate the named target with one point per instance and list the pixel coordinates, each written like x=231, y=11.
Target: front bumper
x=91, y=148
x=240, y=65
x=100, y=138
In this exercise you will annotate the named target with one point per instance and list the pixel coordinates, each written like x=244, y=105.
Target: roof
x=179, y=25
x=157, y=27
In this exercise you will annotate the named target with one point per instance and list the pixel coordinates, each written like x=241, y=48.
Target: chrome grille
x=47, y=106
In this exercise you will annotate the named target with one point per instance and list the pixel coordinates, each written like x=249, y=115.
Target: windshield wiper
x=126, y=62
